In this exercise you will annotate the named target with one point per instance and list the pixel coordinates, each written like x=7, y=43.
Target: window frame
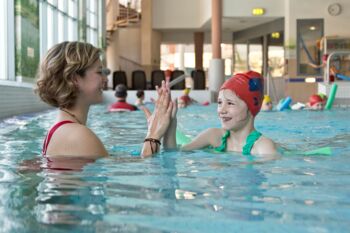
x=300, y=23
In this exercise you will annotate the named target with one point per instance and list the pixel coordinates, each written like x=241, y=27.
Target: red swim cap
x=314, y=99
x=185, y=98
x=249, y=87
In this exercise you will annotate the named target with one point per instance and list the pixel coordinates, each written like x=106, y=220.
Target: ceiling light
x=275, y=35
x=310, y=80
x=258, y=11
x=312, y=28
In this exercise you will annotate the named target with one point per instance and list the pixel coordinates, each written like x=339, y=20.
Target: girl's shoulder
x=264, y=146
x=214, y=135
x=218, y=132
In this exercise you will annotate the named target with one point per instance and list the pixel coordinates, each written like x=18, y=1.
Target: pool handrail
x=326, y=77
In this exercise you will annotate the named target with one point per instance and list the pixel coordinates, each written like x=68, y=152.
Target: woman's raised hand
x=159, y=121
x=165, y=86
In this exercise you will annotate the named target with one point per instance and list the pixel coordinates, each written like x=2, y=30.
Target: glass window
x=52, y=2
x=309, y=31
x=61, y=22
x=3, y=41
x=240, y=58
x=182, y=56
x=92, y=6
x=72, y=30
x=91, y=22
x=62, y=5
x=50, y=30
x=61, y=28
x=276, y=54
x=255, y=56
x=72, y=8
x=276, y=60
x=226, y=51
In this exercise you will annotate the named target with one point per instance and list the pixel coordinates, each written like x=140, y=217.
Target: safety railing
x=327, y=71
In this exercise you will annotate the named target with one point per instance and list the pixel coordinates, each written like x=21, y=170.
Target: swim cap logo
x=256, y=101
x=255, y=84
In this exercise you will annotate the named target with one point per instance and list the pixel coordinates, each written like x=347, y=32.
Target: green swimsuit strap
x=251, y=139
x=222, y=147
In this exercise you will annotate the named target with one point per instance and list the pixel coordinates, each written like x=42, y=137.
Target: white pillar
x=112, y=56
x=182, y=57
x=217, y=65
x=216, y=74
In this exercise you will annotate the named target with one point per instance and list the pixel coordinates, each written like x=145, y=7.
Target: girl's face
x=92, y=84
x=266, y=106
x=181, y=103
x=318, y=106
x=233, y=112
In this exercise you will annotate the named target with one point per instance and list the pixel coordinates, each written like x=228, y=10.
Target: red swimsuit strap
x=51, y=132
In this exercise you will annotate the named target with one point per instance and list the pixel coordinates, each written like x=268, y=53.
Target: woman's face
x=233, y=112
x=92, y=84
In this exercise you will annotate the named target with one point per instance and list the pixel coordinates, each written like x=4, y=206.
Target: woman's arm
x=169, y=140
x=158, y=123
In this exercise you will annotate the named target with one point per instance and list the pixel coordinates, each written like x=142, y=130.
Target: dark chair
x=119, y=77
x=139, y=81
x=198, y=77
x=156, y=78
x=181, y=85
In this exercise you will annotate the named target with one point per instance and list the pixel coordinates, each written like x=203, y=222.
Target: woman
x=239, y=102
x=71, y=77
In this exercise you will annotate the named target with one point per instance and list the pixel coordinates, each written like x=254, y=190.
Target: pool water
x=179, y=191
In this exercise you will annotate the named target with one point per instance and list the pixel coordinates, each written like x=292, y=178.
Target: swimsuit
x=122, y=105
x=50, y=133
x=50, y=164
x=251, y=139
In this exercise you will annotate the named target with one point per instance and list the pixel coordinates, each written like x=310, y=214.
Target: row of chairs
x=139, y=81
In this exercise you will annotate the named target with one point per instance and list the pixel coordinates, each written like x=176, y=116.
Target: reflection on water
x=67, y=197
x=177, y=191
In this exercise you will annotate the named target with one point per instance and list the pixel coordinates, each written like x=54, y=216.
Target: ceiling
x=229, y=25
x=234, y=24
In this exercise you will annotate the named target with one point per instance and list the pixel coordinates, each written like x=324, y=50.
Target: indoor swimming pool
x=179, y=191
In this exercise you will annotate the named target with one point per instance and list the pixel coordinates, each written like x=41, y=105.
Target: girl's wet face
x=233, y=112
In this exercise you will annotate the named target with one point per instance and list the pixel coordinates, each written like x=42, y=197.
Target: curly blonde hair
x=62, y=62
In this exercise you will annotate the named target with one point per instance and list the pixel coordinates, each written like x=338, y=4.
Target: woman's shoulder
x=77, y=139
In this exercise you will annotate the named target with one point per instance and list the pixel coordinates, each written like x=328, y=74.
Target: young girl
x=266, y=104
x=71, y=78
x=239, y=102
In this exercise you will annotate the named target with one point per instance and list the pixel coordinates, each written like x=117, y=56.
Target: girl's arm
x=209, y=137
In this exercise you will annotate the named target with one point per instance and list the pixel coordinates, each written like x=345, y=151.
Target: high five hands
x=163, y=116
